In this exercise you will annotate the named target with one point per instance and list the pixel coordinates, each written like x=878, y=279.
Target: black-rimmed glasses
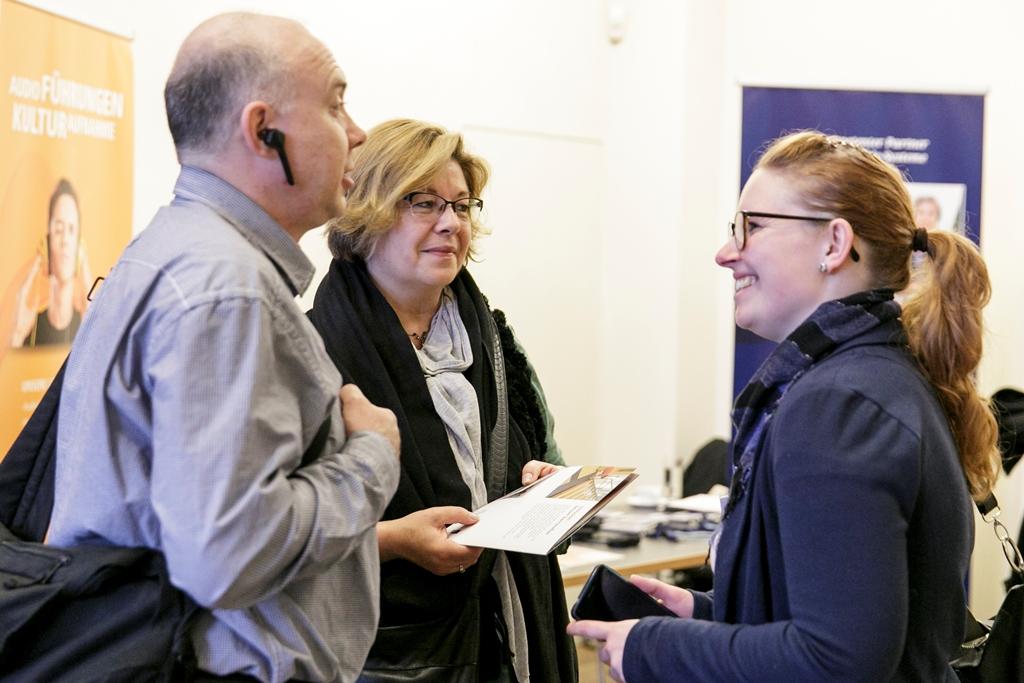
x=742, y=221
x=430, y=204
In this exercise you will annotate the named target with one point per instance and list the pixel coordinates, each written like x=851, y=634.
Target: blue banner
x=935, y=141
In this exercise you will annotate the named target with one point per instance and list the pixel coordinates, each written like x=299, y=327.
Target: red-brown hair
x=942, y=311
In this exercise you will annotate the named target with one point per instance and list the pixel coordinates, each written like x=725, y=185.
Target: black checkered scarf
x=833, y=323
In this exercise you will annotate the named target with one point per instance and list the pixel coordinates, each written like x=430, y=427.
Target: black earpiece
x=274, y=139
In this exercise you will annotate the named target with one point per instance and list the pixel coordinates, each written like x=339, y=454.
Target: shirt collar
x=251, y=221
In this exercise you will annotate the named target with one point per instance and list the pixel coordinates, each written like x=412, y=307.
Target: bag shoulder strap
x=27, y=471
x=990, y=511
x=499, y=435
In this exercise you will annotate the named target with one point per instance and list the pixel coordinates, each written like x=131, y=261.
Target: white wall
x=585, y=204
x=615, y=168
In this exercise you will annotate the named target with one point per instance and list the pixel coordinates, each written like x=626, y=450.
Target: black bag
x=994, y=652
x=26, y=472
x=88, y=613
x=446, y=650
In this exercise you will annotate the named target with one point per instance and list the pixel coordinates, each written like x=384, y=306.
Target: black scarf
x=367, y=343
x=830, y=325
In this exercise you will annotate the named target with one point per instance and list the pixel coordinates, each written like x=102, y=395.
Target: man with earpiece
x=200, y=414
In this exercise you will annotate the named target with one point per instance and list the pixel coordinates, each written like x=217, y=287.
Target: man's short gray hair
x=204, y=95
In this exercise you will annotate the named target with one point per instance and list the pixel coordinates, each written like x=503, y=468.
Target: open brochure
x=538, y=517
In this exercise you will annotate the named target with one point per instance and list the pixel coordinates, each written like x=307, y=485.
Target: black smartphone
x=609, y=596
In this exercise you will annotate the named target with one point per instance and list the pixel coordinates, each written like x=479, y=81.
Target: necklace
x=419, y=338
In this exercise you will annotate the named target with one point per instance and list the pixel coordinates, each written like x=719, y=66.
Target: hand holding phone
x=609, y=596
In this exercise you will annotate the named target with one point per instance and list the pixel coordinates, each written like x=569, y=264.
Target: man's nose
x=356, y=135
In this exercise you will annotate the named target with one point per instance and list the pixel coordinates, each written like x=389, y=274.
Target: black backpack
x=85, y=613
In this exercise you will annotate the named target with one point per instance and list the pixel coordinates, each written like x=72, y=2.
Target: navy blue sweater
x=847, y=559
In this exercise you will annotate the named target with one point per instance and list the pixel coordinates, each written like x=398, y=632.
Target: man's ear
x=839, y=244
x=255, y=117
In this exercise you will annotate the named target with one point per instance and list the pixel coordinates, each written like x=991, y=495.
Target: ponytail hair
x=942, y=314
x=943, y=320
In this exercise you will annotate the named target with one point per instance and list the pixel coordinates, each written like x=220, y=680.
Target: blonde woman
x=403, y=319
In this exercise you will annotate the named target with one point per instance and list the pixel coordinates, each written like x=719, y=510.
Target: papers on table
x=584, y=556
x=702, y=502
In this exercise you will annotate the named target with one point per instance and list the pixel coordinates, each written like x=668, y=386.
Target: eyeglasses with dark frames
x=742, y=220
x=430, y=204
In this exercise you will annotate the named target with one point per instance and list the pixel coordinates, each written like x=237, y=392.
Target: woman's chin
x=437, y=279
x=445, y=275
x=751, y=325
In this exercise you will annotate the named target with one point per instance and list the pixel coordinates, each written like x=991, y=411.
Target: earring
x=822, y=267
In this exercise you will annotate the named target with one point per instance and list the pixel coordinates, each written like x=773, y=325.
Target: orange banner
x=66, y=132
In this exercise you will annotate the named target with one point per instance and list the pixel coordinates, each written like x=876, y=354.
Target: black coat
x=430, y=625
x=847, y=559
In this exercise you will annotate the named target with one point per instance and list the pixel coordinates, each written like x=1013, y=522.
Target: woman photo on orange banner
x=51, y=299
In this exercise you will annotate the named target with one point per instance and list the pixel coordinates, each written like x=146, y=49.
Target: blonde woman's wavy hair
x=942, y=314
x=398, y=157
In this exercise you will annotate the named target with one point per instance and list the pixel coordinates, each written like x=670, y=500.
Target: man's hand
x=360, y=415
x=421, y=538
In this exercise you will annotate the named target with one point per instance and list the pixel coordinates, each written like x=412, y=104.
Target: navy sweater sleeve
x=843, y=472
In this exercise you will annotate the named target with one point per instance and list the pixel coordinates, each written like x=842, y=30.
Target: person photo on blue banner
x=927, y=212
x=844, y=547
x=939, y=206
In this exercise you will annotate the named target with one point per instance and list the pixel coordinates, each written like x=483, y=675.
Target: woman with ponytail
x=859, y=442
